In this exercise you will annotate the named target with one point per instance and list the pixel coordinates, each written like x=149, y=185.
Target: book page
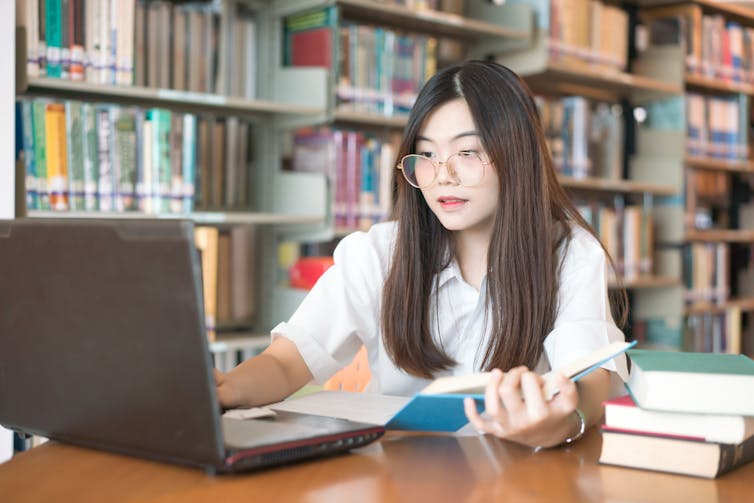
x=474, y=384
x=361, y=407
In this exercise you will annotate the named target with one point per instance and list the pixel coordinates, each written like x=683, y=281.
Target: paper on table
x=361, y=407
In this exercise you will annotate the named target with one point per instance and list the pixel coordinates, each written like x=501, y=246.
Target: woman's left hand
x=516, y=409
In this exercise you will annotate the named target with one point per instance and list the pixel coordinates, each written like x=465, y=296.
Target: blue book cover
x=433, y=413
x=444, y=411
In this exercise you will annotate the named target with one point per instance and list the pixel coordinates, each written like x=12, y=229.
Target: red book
x=309, y=38
x=623, y=414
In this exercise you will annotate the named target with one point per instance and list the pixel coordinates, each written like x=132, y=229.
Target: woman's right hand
x=226, y=395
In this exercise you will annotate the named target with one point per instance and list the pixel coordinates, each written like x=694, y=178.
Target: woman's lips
x=450, y=203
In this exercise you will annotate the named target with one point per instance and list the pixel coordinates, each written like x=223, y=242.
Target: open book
x=439, y=406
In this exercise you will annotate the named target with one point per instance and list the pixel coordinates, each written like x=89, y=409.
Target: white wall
x=7, y=143
x=7, y=109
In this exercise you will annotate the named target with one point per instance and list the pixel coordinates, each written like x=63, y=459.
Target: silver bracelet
x=582, y=428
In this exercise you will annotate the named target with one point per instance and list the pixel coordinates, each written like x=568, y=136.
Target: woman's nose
x=445, y=173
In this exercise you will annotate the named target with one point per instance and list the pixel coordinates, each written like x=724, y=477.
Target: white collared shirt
x=342, y=312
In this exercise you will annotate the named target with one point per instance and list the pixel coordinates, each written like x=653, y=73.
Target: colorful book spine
x=105, y=180
x=125, y=155
x=30, y=163
x=188, y=163
x=74, y=130
x=53, y=38
x=57, y=156
x=40, y=153
x=91, y=162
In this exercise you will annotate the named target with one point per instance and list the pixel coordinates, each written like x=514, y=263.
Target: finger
x=472, y=414
x=491, y=398
x=568, y=398
x=219, y=376
x=534, y=400
x=478, y=422
x=509, y=391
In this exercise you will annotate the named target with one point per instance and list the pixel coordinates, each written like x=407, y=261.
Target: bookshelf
x=278, y=202
x=482, y=24
x=708, y=236
x=545, y=75
x=371, y=23
x=560, y=63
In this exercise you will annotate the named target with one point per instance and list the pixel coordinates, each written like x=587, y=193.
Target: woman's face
x=448, y=130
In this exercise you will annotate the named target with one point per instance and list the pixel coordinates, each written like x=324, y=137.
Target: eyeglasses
x=466, y=167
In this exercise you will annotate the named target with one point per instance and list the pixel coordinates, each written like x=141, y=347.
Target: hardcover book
x=439, y=406
x=704, y=383
x=673, y=454
x=623, y=414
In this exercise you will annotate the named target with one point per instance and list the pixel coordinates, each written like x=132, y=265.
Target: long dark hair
x=533, y=220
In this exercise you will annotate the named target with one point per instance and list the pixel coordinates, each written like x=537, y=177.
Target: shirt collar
x=451, y=271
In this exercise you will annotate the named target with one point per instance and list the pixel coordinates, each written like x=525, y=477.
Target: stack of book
x=686, y=413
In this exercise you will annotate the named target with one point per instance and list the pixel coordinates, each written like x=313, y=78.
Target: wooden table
x=402, y=467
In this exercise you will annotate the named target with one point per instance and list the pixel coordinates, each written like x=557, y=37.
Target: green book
x=125, y=158
x=32, y=196
x=40, y=153
x=54, y=38
x=91, y=161
x=74, y=131
x=705, y=383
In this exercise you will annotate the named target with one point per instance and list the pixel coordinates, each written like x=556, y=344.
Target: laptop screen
x=102, y=339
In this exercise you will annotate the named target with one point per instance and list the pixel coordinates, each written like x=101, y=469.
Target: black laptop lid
x=101, y=337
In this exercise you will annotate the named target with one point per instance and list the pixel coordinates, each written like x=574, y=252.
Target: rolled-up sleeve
x=341, y=312
x=584, y=322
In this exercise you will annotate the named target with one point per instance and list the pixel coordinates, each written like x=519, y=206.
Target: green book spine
x=161, y=176
x=32, y=195
x=74, y=131
x=105, y=180
x=124, y=159
x=91, y=165
x=40, y=149
x=53, y=37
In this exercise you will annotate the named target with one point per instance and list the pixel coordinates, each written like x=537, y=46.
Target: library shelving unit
x=279, y=201
x=550, y=75
x=681, y=317
x=511, y=32
x=481, y=24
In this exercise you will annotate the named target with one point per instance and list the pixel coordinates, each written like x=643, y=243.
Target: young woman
x=486, y=265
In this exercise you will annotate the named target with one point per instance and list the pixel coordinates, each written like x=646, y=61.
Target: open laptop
x=103, y=344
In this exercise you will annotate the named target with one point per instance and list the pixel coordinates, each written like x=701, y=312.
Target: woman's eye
x=426, y=154
x=467, y=152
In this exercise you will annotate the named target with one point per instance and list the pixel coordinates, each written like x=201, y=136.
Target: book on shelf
x=705, y=383
x=98, y=157
x=188, y=46
x=309, y=38
x=439, y=406
x=207, y=242
x=622, y=413
x=673, y=454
